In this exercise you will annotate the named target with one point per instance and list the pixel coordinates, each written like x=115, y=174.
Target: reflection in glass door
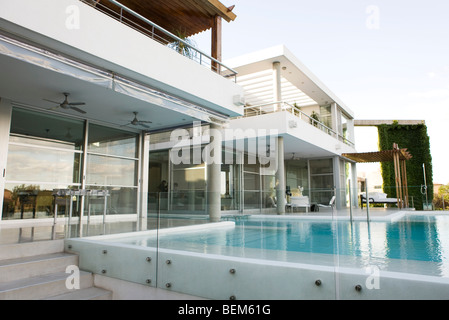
x=44, y=153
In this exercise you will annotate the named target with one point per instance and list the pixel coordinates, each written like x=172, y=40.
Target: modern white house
x=99, y=98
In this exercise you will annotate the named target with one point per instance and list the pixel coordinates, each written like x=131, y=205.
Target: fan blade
x=58, y=103
x=144, y=125
x=124, y=125
x=77, y=109
x=54, y=108
x=77, y=104
x=145, y=122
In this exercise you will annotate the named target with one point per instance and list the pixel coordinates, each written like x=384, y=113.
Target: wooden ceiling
x=185, y=17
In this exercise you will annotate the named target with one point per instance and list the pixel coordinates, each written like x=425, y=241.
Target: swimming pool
x=388, y=245
x=276, y=257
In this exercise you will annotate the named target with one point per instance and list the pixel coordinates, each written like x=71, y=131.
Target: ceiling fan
x=136, y=122
x=67, y=105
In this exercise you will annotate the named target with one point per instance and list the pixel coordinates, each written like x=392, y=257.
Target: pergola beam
x=399, y=157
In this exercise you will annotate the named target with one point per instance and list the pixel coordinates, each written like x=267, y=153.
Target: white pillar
x=280, y=177
x=144, y=176
x=354, y=190
x=214, y=174
x=277, y=92
x=5, y=124
x=335, y=119
x=338, y=182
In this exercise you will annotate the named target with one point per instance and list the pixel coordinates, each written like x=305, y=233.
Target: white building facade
x=89, y=103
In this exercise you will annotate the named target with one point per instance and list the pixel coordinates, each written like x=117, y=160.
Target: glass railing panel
x=391, y=252
x=338, y=250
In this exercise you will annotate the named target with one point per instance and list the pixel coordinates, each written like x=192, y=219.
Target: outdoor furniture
x=330, y=205
x=377, y=197
x=300, y=202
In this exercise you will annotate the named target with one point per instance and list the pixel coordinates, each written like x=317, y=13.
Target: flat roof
x=294, y=73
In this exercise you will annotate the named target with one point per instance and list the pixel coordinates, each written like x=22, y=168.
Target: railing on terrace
x=278, y=106
x=163, y=36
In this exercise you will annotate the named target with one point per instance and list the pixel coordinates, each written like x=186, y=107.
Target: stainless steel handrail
x=297, y=112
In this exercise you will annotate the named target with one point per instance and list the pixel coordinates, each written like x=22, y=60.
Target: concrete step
x=37, y=270
x=27, y=267
x=92, y=293
x=41, y=287
x=28, y=249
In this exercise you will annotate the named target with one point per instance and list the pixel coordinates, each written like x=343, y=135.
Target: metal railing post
x=367, y=200
x=350, y=200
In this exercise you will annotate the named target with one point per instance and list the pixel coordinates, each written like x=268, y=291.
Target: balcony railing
x=278, y=106
x=159, y=34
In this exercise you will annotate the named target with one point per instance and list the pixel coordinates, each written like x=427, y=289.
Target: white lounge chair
x=377, y=197
x=330, y=205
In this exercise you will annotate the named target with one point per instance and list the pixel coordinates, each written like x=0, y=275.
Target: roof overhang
x=186, y=17
x=295, y=75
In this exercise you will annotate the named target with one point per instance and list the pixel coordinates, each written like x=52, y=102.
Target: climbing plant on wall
x=416, y=140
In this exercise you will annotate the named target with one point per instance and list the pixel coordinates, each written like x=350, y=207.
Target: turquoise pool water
x=411, y=239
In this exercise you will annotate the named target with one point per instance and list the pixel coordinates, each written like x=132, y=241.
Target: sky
x=384, y=59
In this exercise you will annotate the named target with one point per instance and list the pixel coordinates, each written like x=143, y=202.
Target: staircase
x=37, y=271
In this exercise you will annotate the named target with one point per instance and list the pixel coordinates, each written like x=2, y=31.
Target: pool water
x=413, y=238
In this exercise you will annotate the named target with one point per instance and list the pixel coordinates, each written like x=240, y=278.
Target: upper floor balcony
x=281, y=93
x=78, y=48
x=171, y=23
x=313, y=119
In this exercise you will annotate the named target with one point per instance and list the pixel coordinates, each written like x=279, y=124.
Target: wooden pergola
x=399, y=158
x=188, y=17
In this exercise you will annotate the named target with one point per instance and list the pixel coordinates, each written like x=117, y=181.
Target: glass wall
x=297, y=177
x=182, y=187
x=321, y=180
x=47, y=152
x=326, y=115
x=188, y=187
x=112, y=164
x=230, y=183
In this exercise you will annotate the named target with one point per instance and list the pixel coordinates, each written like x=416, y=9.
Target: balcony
x=116, y=70
x=280, y=106
x=179, y=42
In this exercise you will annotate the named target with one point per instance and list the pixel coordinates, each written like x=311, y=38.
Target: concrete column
x=143, y=199
x=277, y=92
x=334, y=115
x=337, y=182
x=354, y=190
x=213, y=161
x=5, y=124
x=280, y=177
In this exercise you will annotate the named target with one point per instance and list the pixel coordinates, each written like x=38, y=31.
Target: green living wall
x=416, y=140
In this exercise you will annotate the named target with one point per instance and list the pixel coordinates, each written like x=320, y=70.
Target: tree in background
x=417, y=142
x=443, y=191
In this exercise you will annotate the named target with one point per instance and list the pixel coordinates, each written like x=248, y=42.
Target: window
x=45, y=152
x=321, y=180
x=112, y=164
